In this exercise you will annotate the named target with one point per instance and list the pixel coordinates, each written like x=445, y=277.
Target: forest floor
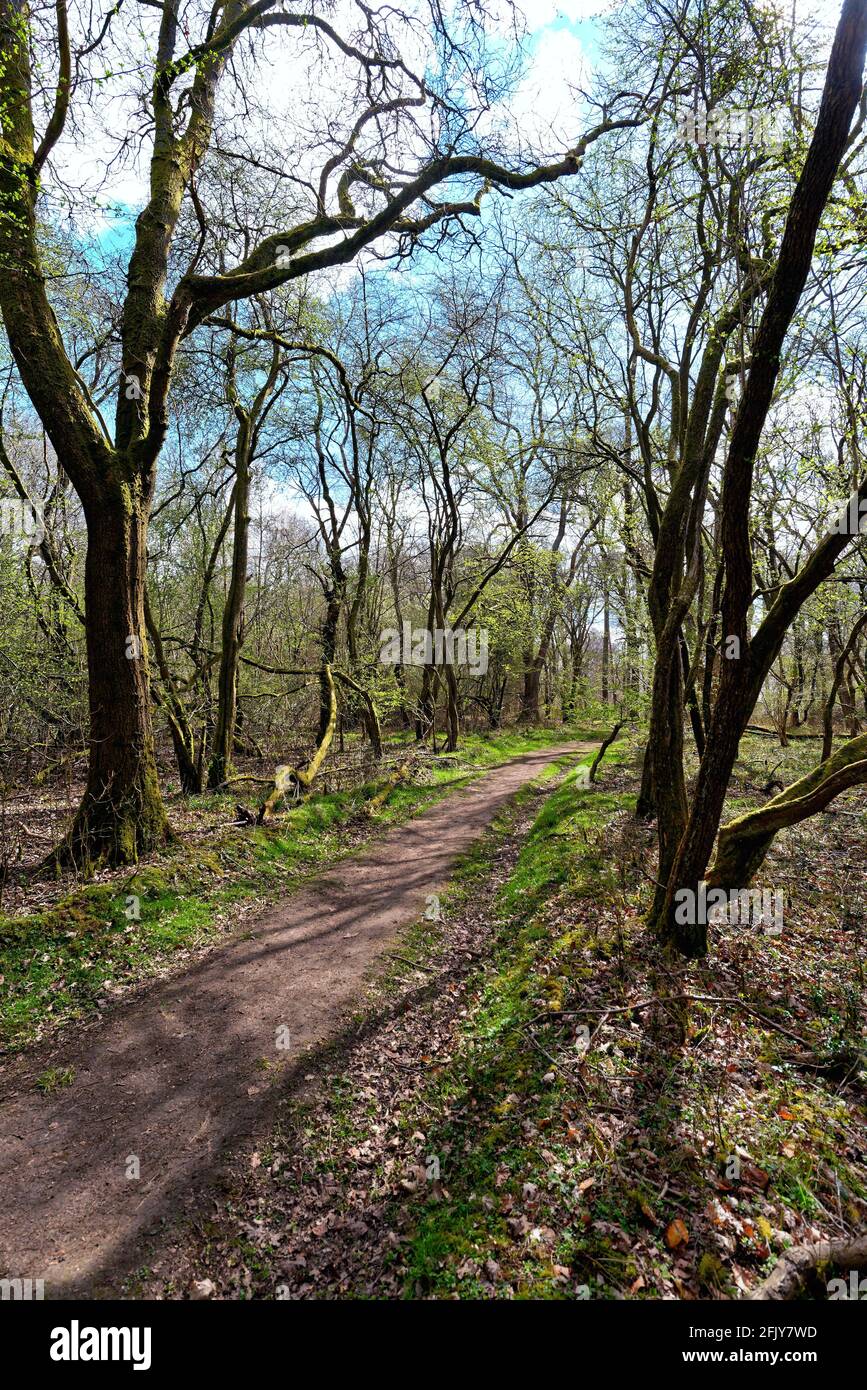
x=513, y=1103
x=508, y=1118
x=107, y=1127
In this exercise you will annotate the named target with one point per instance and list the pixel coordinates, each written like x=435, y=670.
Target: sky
x=562, y=46
x=562, y=41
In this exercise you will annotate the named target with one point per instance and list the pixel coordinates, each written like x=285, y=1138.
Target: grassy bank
x=595, y=1149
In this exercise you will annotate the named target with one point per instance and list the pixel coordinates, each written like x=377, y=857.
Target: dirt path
x=193, y=1064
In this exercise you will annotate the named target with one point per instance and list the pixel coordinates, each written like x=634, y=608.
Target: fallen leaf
x=677, y=1234
x=755, y=1177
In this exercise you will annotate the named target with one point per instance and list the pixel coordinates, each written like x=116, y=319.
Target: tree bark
x=744, y=843
x=839, y=669
x=741, y=679
x=121, y=815
x=233, y=614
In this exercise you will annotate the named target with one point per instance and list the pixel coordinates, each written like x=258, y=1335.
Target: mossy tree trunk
x=121, y=815
x=742, y=678
x=744, y=843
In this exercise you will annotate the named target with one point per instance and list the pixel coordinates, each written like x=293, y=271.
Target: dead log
x=402, y=774
x=793, y=1270
x=296, y=781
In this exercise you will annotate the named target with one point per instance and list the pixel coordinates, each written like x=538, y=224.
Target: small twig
x=698, y=999
x=406, y=961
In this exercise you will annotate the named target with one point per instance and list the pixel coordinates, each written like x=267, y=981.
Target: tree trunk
x=530, y=694
x=121, y=815
x=171, y=702
x=233, y=614
x=328, y=640
x=741, y=679
x=453, y=717
x=606, y=650
x=665, y=753
x=426, y=704
x=841, y=657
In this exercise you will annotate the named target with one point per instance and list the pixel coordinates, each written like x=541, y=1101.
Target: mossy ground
x=548, y=1120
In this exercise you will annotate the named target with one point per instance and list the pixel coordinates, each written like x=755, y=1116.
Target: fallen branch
x=414, y=965
x=792, y=1271
x=297, y=780
x=375, y=803
x=693, y=999
x=373, y=724
x=604, y=749
x=772, y=733
x=744, y=842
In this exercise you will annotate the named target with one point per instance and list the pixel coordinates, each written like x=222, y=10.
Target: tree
x=173, y=286
x=741, y=679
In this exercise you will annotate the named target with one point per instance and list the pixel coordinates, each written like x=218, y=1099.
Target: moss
x=712, y=1273
x=497, y=1074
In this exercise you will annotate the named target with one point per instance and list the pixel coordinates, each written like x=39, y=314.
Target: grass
x=66, y=961
x=498, y=1068
x=55, y=1079
x=516, y=1116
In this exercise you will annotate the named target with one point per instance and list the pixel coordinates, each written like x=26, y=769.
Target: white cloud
x=545, y=107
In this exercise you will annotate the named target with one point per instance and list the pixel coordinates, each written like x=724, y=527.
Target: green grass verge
x=509, y=1120
x=496, y=1067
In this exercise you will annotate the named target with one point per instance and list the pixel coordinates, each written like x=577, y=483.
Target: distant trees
x=613, y=424
x=400, y=136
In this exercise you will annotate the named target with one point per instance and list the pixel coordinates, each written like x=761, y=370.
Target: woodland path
x=190, y=1066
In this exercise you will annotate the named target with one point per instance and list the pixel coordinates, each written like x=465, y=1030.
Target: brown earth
x=195, y=1064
